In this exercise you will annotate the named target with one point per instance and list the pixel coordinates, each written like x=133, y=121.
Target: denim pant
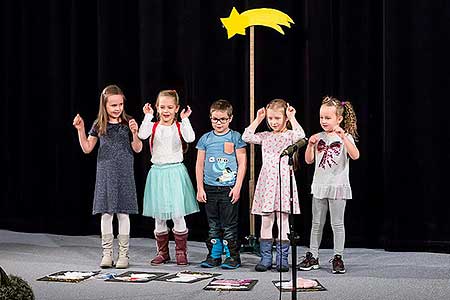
x=222, y=214
x=319, y=214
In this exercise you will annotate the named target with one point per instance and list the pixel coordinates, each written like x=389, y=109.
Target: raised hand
x=185, y=113
x=290, y=112
x=261, y=114
x=133, y=126
x=313, y=139
x=339, y=131
x=148, y=109
x=78, y=122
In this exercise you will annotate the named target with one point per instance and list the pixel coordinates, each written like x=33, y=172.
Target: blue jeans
x=221, y=213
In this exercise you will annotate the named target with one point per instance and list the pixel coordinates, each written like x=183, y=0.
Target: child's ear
x=340, y=118
x=231, y=118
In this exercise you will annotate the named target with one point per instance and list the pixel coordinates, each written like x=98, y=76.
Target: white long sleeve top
x=167, y=147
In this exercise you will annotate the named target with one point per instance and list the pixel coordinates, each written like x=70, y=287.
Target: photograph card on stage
x=302, y=286
x=231, y=284
x=188, y=277
x=69, y=276
x=104, y=276
x=136, y=277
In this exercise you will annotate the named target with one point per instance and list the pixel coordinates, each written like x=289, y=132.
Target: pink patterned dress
x=267, y=192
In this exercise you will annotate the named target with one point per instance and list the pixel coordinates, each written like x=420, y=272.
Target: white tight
x=124, y=224
x=267, y=225
x=179, y=225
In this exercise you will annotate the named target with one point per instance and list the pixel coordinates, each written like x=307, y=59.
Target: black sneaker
x=309, y=263
x=338, y=264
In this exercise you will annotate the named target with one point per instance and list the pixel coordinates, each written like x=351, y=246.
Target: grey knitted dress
x=115, y=188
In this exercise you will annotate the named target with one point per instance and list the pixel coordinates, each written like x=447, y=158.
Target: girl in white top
x=169, y=193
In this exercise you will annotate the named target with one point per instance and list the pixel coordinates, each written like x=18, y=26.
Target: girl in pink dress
x=266, y=202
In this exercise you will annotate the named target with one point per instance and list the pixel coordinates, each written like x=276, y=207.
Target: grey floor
x=371, y=273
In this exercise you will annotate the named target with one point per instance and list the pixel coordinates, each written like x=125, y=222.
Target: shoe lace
x=337, y=262
x=308, y=256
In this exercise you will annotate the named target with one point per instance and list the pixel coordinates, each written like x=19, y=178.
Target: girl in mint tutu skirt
x=169, y=194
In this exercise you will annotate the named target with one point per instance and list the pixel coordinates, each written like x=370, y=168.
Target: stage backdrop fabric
x=388, y=58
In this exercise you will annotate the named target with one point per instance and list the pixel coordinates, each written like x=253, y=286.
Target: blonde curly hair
x=344, y=109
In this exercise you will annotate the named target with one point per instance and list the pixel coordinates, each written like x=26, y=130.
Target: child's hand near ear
x=185, y=113
x=290, y=112
x=261, y=114
x=148, y=109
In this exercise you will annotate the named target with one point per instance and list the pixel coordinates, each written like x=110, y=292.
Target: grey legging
x=319, y=215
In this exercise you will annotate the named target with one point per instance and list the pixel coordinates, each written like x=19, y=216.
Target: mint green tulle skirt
x=169, y=192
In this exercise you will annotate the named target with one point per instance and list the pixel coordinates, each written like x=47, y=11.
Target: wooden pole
x=251, y=185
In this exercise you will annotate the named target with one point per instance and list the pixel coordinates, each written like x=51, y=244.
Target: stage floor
x=371, y=273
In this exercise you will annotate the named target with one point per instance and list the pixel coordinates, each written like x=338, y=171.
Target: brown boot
x=181, y=247
x=162, y=244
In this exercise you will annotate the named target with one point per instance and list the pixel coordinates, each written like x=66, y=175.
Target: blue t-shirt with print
x=220, y=167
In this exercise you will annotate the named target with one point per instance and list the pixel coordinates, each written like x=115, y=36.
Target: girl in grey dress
x=331, y=150
x=115, y=190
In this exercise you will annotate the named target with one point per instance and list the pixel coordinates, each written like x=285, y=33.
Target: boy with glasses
x=220, y=170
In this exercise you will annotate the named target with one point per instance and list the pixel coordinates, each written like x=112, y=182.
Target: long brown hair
x=102, y=116
x=345, y=110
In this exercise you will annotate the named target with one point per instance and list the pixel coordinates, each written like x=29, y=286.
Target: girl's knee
x=337, y=226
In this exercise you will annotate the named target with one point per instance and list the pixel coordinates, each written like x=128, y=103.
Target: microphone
x=294, y=147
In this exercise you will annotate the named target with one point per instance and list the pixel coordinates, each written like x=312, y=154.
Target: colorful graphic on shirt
x=334, y=149
x=220, y=166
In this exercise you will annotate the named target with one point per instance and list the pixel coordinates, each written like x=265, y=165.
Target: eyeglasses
x=221, y=120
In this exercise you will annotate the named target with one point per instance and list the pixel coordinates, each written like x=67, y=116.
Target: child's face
x=114, y=107
x=220, y=121
x=276, y=119
x=329, y=120
x=167, y=108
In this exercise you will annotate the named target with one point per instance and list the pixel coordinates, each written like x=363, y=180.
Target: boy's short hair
x=222, y=105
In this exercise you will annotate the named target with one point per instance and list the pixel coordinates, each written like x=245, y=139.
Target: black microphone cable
x=280, y=229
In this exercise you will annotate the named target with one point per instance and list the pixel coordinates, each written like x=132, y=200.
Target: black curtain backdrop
x=388, y=57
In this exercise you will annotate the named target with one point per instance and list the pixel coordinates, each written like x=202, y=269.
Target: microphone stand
x=293, y=236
